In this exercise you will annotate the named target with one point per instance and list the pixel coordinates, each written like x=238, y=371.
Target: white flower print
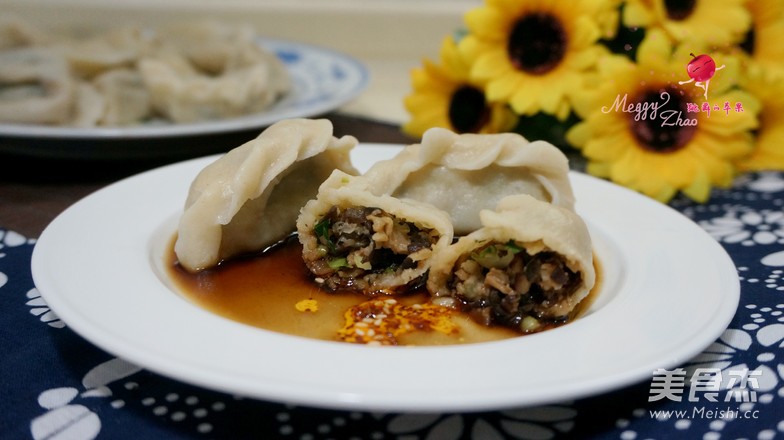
x=775, y=259
x=543, y=423
x=67, y=420
x=64, y=420
x=759, y=341
x=39, y=308
x=767, y=182
x=747, y=227
x=12, y=239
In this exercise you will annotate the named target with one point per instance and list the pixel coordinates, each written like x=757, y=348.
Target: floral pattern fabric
x=56, y=385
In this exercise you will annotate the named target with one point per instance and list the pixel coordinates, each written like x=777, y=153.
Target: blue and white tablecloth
x=54, y=385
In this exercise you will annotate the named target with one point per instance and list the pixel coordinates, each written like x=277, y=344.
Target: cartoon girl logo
x=701, y=69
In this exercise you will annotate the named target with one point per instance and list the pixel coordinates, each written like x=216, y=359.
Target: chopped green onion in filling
x=497, y=256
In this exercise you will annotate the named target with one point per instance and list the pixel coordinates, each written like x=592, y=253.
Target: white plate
x=322, y=80
x=668, y=291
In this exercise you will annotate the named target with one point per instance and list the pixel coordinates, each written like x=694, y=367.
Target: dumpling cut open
x=355, y=240
x=530, y=264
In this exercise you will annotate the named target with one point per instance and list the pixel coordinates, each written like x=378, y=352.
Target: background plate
x=322, y=80
x=667, y=292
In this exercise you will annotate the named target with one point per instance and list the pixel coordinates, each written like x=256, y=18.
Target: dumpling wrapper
x=465, y=173
x=369, y=276
x=536, y=227
x=250, y=198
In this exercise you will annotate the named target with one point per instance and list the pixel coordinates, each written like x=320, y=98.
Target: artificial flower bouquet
x=661, y=96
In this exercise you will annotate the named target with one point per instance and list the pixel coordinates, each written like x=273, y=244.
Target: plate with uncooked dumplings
x=192, y=112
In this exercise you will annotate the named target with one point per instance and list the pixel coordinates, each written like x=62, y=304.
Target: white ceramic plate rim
x=669, y=290
x=302, y=102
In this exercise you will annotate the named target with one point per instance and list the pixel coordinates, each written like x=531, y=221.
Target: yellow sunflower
x=768, y=152
x=644, y=130
x=533, y=53
x=444, y=96
x=763, y=45
x=713, y=23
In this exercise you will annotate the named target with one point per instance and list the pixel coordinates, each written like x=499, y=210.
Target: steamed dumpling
x=463, y=174
x=250, y=198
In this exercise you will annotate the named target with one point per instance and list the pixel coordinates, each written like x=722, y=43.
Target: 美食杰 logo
x=721, y=392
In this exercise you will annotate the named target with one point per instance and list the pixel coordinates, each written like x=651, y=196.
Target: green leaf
x=321, y=230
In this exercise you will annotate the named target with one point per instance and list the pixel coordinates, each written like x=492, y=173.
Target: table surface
x=56, y=385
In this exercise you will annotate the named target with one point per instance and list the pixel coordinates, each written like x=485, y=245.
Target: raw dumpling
x=88, y=106
x=531, y=263
x=197, y=97
x=193, y=71
x=210, y=46
x=355, y=240
x=250, y=198
x=117, y=49
x=17, y=33
x=463, y=174
x=35, y=87
x=126, y=100
x=207, y=71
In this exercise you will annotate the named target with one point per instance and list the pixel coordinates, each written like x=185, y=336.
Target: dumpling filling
x=502, y=284
x=369, y=250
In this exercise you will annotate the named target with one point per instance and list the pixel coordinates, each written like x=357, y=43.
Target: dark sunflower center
x=749, y=42
x=668, y=130
x=537, y=43
x=468, y=111
x=679, y=9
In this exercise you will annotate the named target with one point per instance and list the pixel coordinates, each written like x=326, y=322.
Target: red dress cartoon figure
x=701, y=69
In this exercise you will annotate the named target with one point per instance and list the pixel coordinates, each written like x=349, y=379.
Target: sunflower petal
x=490, y=65
x=598, y=169
x=484, y=22
x=524, y=100
x=635, y=14
x=579, y=134
x=699, y=189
